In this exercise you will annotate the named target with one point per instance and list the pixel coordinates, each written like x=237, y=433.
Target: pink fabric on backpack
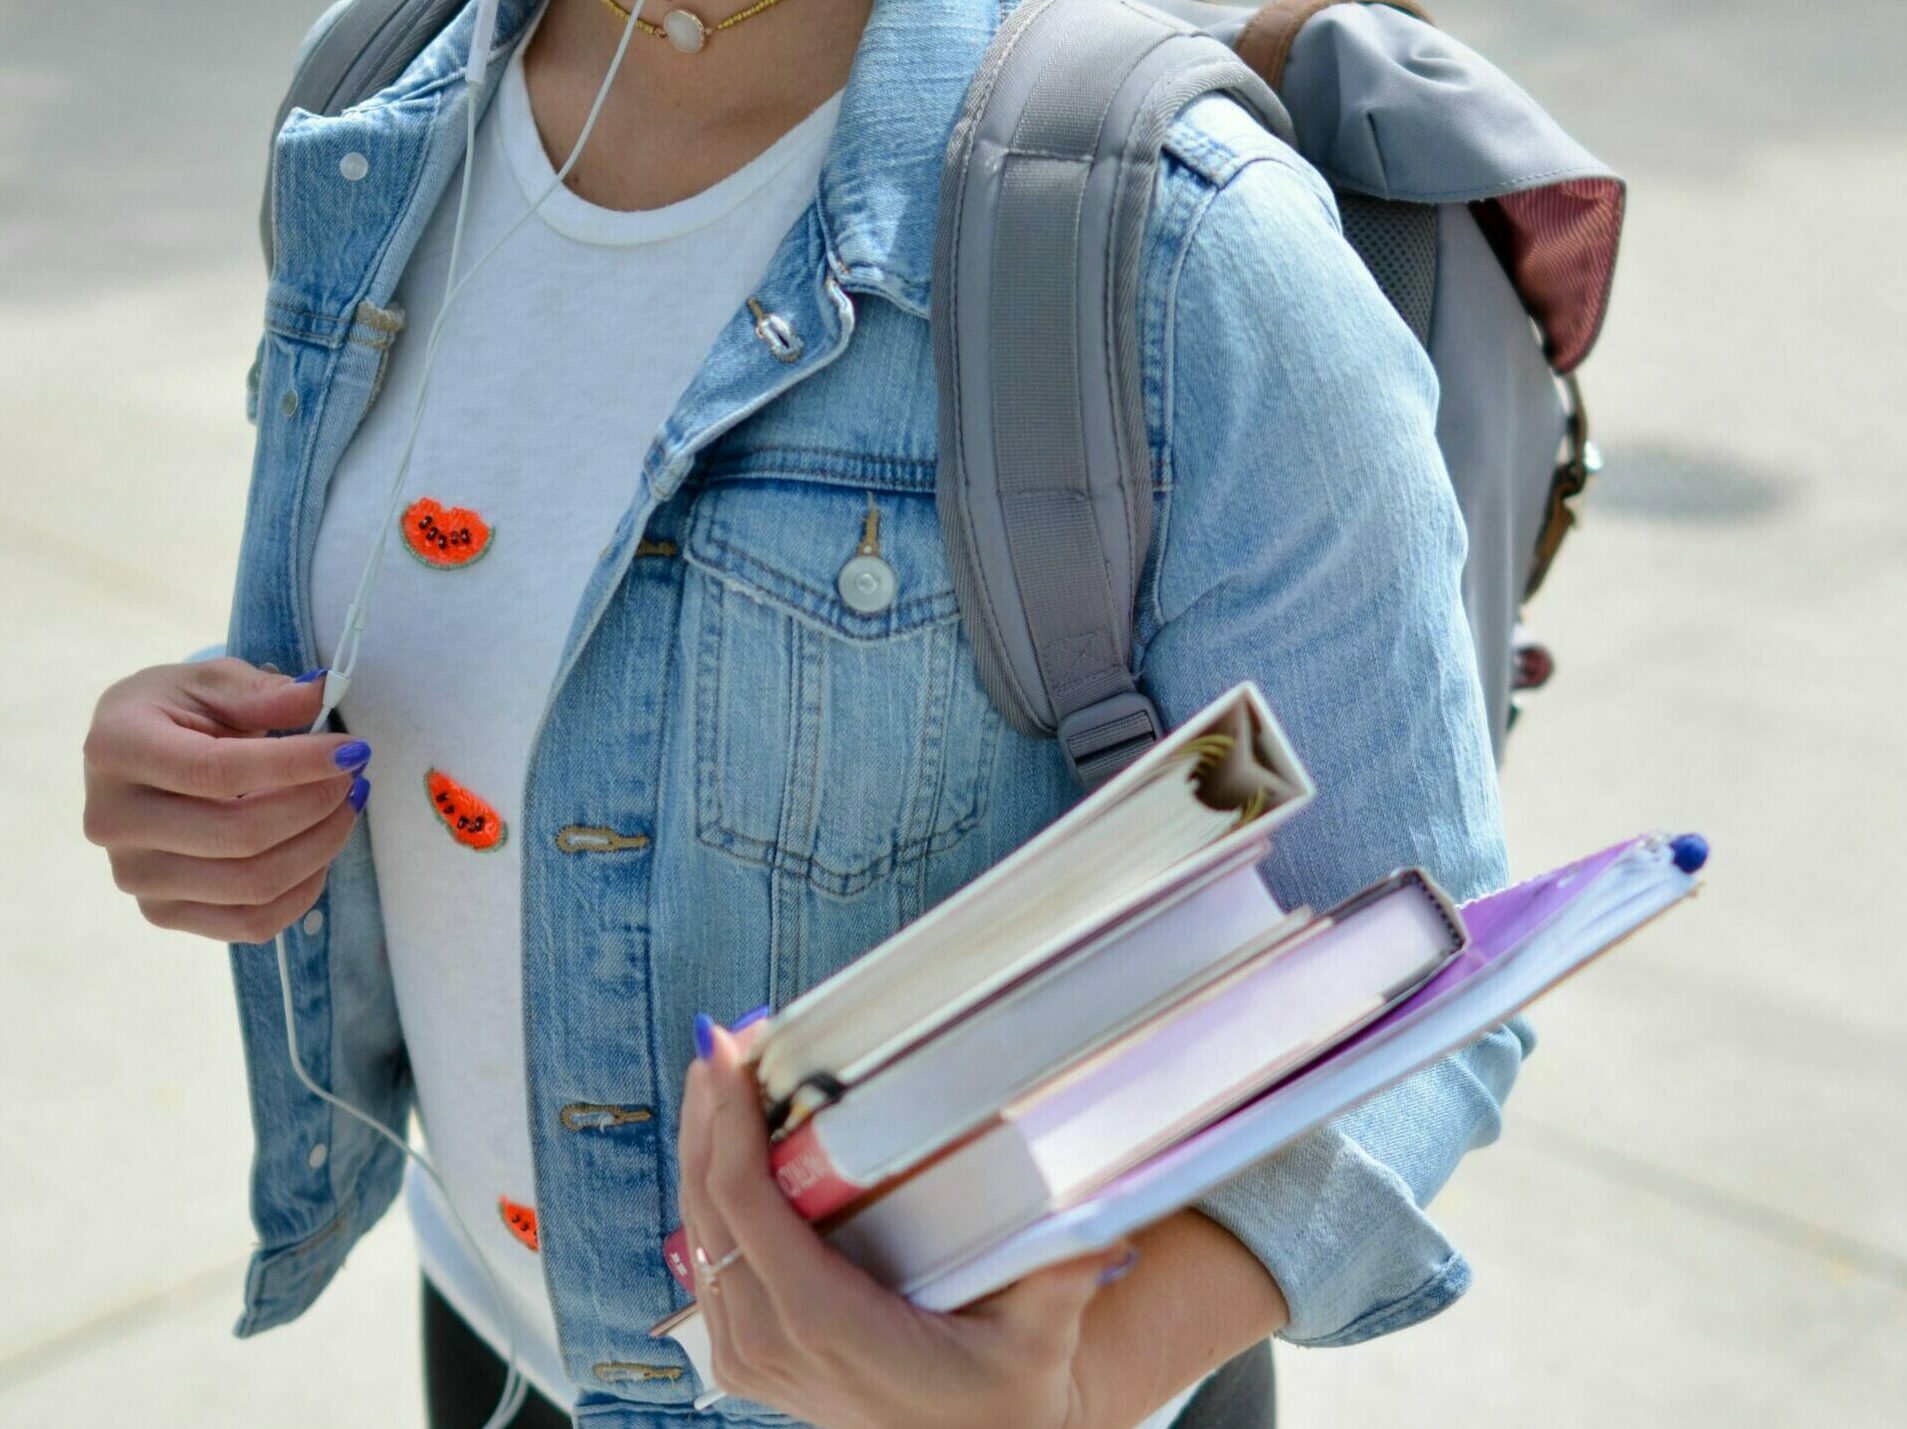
x=1558, y=244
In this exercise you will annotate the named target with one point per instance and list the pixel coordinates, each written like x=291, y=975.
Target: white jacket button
x=867, y=584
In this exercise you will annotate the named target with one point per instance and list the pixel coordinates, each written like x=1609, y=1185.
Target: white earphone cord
x=344, y=661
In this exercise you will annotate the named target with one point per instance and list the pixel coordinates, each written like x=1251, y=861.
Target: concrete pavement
x=1695, y=1216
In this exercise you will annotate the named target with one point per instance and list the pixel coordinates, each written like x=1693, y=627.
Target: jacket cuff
x=1352, y=1254
x=1337, y=1216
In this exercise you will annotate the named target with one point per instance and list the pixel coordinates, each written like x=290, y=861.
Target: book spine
x=807, y=1178
x=675, y=1254
x=807, y=1175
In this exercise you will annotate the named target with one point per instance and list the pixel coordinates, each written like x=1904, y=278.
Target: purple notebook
x=1502, y=921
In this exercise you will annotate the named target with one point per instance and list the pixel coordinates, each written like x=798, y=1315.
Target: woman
x=640, y=757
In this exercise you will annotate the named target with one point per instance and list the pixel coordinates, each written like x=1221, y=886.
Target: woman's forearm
x=1195, y=1298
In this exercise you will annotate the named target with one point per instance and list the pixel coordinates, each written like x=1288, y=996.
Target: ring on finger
x=707, y=1271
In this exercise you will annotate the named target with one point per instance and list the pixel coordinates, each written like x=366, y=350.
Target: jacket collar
x=870, y=229
x=880, y=181
x=880, y=178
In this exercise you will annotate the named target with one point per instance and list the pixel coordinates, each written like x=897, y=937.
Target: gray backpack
x=1491, y=231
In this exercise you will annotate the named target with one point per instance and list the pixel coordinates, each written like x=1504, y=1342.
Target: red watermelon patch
x=521, y=1220
x=469, y=820
x=445, y=537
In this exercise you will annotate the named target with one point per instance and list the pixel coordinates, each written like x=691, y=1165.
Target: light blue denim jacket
x=809, y=778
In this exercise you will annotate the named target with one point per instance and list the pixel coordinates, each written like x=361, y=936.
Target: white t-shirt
x=563, y=356
x=558, y=364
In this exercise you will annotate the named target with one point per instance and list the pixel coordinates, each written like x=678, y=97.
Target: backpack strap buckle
x=1103, y=738
x=1581, y=460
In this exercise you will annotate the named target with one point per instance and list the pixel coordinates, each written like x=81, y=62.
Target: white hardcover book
x=1215, y=786
x=1181, y=1069
x=954, y=1083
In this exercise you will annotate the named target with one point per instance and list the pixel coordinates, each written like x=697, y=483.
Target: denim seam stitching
x=712, y=827
x=900, y=619
x=1168, y=417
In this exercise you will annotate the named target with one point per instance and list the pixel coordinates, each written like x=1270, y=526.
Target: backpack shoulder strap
x=1045, y=479
x=357, y=48
x=1266, y=40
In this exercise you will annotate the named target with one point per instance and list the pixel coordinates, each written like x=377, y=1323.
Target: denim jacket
x=797, y=779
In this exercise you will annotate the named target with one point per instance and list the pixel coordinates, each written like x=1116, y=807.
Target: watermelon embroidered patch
x=444, y=537
x=469, y=820
x=521, y=1221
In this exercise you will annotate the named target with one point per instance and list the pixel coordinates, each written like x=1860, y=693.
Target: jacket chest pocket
x=840, y=730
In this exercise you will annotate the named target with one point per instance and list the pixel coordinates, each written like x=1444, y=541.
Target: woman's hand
x=795, y=1325
x=212, y=827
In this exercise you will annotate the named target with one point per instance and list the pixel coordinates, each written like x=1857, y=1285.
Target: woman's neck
x=676, y=123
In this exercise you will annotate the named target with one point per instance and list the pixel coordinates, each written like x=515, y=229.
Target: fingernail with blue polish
x=360, y=792
x=704, y=1036
x=749, y=1019
x=353, y=756
x=1120, y=1268
x=310, y=675
x=1691, y=852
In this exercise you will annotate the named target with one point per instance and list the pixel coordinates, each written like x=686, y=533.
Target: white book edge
x=782, y=1070
x=866, y=1138
x=1000, y=1182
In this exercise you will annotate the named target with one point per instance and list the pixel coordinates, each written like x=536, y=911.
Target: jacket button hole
x=595, y=838
x=776, y=335
x=612, y=1371
x=600, y=1116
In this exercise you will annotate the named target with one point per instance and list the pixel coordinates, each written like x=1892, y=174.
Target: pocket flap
x=784, y=543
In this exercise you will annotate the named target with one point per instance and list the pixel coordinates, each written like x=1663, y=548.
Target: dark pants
x=463, y=1378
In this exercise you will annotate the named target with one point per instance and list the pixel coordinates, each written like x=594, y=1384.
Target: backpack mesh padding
x=1398, y=243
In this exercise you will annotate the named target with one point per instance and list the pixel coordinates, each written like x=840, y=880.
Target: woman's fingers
x=214, y=828
x=236, y=925
x=800, y=1274
x=786, y=1288
x=252, y=881
x=232, y=695
x=145, y=744
x=708, y=1238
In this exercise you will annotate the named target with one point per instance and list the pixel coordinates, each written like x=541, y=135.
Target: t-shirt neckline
x=575, y=217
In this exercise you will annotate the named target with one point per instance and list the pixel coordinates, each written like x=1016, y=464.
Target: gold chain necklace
x=684, y=28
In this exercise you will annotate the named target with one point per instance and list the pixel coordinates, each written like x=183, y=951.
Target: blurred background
x=1696, y=1215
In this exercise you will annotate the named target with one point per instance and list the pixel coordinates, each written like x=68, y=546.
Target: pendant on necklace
x=685, y=31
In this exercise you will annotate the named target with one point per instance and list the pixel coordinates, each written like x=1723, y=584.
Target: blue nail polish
x=360, y=792
x=310, y=675
x=749, y=1019
x=704, y=1036
x=353, y=756
x=1691, y=852
x=1119, y=1270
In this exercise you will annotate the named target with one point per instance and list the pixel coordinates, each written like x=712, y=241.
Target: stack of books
x=1113, y=1020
